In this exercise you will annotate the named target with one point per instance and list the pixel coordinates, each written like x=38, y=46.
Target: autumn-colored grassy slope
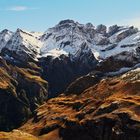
x=108, y=110
x=20, y=135
x=9, y=73
x=16, y=135
x=21, y=91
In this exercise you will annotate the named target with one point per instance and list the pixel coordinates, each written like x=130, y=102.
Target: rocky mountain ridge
x=70, y=38
x=73, y=81
x=74, y=48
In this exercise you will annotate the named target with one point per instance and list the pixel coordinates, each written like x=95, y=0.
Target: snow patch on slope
x=55, y=53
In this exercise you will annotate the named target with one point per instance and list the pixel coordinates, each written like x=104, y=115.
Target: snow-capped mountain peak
x=24, y=44
x=68, y=37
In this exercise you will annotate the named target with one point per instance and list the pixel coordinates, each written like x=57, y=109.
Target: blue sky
x=38, y=15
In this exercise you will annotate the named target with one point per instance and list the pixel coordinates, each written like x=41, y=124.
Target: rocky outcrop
x=127, y=33
x=5, y=36
x=103, y=41
x=120, y=61
x=113, y=29
x=101, y=29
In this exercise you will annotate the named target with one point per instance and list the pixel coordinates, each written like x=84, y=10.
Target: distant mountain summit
x=70, y=38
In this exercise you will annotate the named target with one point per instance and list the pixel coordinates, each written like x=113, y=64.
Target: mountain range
x=73, y=81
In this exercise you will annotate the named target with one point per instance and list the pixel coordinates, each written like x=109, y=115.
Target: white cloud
x=20, y=8
x=17, y=8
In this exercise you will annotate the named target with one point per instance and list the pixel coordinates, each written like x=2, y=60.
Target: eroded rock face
x=128, y=32
x=60, y=72
x=22, y=90
x=120, y=61
x=113, y=29
x=101, y=29
x=105, y=111
x=103, y=41
x=5, y=36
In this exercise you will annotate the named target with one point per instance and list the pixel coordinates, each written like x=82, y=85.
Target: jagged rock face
x=101, y=29
x=5, y=36
x=129, y=32
x=107, y=110
x=120, y=61
x=60, y=72
x=21, y=91
x=67, y=38
x=95, y=45
x=22, y=46
x=113, y=29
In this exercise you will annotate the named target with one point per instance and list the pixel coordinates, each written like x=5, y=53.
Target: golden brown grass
x=16, y=135
x=106, y=99
x=30, y=75
x=54, y=135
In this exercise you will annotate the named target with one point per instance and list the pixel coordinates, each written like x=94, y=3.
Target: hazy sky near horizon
x=39, y=15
